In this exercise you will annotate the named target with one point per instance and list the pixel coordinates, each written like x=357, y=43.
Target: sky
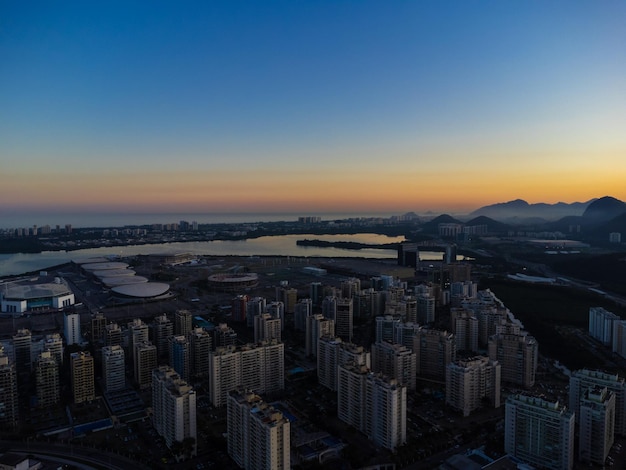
x=250, y=106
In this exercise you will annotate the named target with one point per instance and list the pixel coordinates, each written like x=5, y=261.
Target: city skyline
x=296, y=107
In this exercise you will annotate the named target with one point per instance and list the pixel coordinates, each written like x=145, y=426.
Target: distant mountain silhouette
x=521, y=212
x=432, y=226
x=493, y=225
x=604, y=209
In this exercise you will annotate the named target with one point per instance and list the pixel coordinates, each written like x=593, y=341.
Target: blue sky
x=390, y=100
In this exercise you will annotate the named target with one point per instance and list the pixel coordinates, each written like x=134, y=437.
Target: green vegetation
x=554, y=315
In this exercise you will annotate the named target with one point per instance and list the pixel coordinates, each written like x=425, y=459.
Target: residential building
x=266, y=328
x=162, y=329
x=113, y=368
x=518, y=353
x=584, y=379
x=539, y=432
x=174, y=408
x=333, y=352
x=200, y=347
x=81, y=366
x=258, y=434
x=179, y=354
x=144, y=362
x=435, y=349
x=597, y=425
x=8, y=393
x=317, y=326
x=47, y=380
x=183, y=322
x=471, y=383
x=71, y=328
x=601, y=324
x=396, y=362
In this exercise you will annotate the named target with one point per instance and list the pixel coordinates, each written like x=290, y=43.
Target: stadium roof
x=144, y=290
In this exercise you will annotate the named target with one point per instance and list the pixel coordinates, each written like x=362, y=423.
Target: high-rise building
x=518, y=353
x=183, y=322
x=316, y=293
x=22, y=347
x=162, y=329
x=112, y=335
x=405, y=333
x=277, y=310
x=8, y=393
x=465, y=327
x=174, y=408
x=368, y=303
x=344, y=318
x=224, y=336
x=396, y=362
x=601, y=324
x=47, y=377
x=304, y=309
x=435, y=349
x=425, y=309
x=98, y=323
x=239, y=308
x=266, y=328
x=333, y=352
x=469, y=382
x=289, y=298
x=144, y=362
x=138, y=332
x=255, y=306
x=113, y=368
x=539, y=432
x=258, y=434
x=384, y=327
x=584, y=379
x=619, y=338
x=179, y=355
x=259, y=367
x=81, y=366
x=54, y=343
x=71, y=328
x=350, y=287
x=200, y=347
x=373, y=404
x=317, y=326
x=597, y=425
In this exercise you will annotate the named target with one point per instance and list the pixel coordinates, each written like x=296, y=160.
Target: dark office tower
x=162, y=329
x=223, y=336
x=179, y=355
x=98, y=323
x=350, y=287
x=47, y=375
x=182, y=322
x=304, y=309
x=200, y=348
x=22, y=345
x=316, y=293
x=343, y=319
x=450, y=254
x=8, y=393
x=408, y=255
x=255, y=306
x=239, y=308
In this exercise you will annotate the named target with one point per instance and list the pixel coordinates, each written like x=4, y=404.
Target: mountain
x=604, y=209
x=432, y=226
x=519, y=211
x=492, y=225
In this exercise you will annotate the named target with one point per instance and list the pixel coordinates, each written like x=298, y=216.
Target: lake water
x=283, y=245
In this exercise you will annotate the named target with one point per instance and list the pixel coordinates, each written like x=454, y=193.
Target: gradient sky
x=309, y=105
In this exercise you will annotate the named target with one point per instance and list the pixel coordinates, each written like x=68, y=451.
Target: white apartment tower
x=597, y=425
x=333, y=352
x=539, y=432
x=435, y=349
x=584, y=379
x=396, y=362
x=174, y=407
x=258, y=435
x=517, y=354
x=113, y=368
x=469, y=381
x=259, y=367
x=465, y=327
x=303, y=310
x=71, y=328
x=601, y=323
x=373, y=404
x=266, y=328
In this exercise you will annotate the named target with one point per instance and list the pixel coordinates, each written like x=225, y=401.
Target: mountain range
x=520, y=211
